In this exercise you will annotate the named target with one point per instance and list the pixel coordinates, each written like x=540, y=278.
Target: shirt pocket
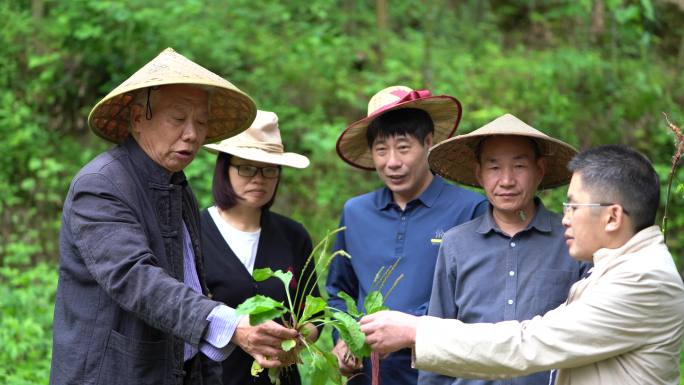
x=131, y=361
x=550, y=289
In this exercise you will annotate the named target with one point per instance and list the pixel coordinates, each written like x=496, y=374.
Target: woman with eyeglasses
x=240, y=234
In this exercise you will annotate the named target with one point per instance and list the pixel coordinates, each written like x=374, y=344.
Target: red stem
x=375, y=368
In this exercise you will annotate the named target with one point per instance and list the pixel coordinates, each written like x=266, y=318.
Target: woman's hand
x=263, y=342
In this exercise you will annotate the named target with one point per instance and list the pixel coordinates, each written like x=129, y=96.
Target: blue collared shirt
x=379, y=232
x=484, y=275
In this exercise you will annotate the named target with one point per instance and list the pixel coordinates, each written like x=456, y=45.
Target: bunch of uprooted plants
x=315, y=311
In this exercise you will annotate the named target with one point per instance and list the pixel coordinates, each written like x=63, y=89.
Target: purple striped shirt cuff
x=216, y=341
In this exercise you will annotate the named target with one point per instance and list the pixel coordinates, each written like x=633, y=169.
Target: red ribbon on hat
x=405, y=97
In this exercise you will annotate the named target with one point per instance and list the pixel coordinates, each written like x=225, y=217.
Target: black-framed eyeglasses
x=268, y=172
x=569, y=207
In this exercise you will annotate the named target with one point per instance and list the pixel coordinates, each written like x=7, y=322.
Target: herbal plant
x=315, y=311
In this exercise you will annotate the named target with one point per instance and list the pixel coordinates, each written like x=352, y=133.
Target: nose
x=507, y=177
x=566, y=218
x=193, y=132
x=393, y=160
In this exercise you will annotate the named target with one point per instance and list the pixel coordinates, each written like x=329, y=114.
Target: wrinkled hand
x=389, y=331
x=263, y=341
x=349, y=364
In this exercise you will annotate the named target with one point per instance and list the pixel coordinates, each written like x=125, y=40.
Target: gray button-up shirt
x=484, y=275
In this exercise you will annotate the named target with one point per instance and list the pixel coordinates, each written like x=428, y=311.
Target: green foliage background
x=587, y=71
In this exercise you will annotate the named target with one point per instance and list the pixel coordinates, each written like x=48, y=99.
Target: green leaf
x=274, y=375
x=266, y=273
x=351, y=334
x=373, y=302
x=351, y=304
x=262, y=274
x=261, y=309
x=256, y=369
x=286, y=277
x=312, y=306
x=287, y=345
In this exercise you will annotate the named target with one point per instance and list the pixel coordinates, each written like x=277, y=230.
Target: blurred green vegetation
x=587, y=71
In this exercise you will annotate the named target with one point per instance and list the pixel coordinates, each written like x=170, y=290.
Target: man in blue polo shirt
x=403, y=221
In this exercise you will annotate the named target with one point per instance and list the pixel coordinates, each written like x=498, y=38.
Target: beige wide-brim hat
x=261, y=143
x=231, y=111
x=445, y=111
x=455, y=158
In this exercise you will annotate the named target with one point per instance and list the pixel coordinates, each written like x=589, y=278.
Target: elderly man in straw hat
x=623, y=324
x=132, y=304
x=403, y=222
x=512, y=263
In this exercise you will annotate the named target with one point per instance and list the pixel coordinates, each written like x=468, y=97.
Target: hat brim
x=455, y=159
x=289, y=159
x=445, y=111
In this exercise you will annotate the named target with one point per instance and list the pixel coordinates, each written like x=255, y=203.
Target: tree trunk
x=381, y=23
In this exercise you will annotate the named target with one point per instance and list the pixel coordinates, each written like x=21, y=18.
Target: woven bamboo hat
x=231, y=111
x=261, y=142
x=455, y=158
x=445, y=111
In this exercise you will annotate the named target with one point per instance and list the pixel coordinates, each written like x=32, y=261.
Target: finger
x=280, y=332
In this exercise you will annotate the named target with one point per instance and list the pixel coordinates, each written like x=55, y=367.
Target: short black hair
x=621, y=175
x=222, y=189
x=405, y=121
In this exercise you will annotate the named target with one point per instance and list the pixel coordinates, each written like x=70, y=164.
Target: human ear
x=136, y=118
x=428, y=140
x=477, y=173
x=614, y=218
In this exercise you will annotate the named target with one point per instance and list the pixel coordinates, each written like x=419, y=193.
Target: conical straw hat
x=455, y=158
x=261, y=142
x=445, y=111
x=231, y=111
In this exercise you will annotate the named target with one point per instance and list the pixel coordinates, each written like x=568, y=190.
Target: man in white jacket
x=621, y=325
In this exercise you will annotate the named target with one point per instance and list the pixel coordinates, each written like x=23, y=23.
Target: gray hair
x=622, y=175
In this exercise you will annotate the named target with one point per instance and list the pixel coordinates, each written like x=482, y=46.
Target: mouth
x=184, y=154
x=568, y=240
x=396, y=178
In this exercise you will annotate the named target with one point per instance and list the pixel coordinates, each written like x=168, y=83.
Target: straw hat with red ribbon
x=231, y=111
x=445, y=111
x=455, y=158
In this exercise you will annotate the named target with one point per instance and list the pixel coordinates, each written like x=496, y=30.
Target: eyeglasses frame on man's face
x=567, y=206
x=249, y=171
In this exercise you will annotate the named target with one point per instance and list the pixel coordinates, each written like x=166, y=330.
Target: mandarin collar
x=151, y=170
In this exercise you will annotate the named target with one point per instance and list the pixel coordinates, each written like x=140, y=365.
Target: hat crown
x=391, y=96
x=263, y=134
x=508, y=124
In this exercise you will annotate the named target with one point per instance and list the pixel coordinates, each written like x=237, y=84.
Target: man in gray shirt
x=511, y=263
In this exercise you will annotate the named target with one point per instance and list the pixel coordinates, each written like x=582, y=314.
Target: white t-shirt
x=244, y=244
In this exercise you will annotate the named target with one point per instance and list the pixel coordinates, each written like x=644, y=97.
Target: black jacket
x=122, y=312
x=283, y=245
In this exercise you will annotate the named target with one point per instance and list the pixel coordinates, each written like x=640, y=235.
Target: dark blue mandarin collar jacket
x=122, y=312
